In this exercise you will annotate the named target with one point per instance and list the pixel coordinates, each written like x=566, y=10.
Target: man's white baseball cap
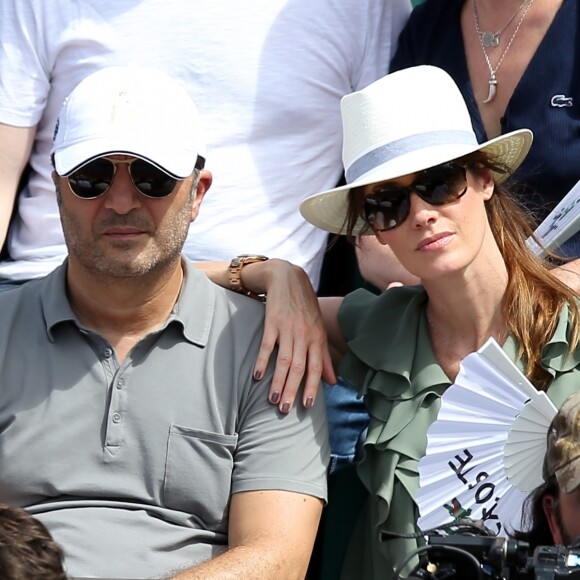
x=131, y=110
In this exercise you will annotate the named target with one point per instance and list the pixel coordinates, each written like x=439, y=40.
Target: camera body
x=464, y=557
x=555, y=562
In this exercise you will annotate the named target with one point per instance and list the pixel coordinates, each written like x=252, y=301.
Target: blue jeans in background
x=347, y=423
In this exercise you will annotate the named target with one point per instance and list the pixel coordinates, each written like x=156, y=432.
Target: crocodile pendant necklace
x=483, y=35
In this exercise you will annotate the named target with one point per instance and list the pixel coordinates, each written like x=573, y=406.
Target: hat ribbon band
x=389, y=151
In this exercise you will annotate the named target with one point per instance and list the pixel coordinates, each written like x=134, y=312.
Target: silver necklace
x=492, y=39
x=493, y=71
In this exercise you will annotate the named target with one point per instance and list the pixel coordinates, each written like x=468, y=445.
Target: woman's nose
x=421, y=213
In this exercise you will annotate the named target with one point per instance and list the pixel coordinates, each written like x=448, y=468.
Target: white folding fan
x=486, y=448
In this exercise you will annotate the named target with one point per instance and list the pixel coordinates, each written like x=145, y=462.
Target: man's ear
x=57, y=186
x=203, y=184
x=549, y=506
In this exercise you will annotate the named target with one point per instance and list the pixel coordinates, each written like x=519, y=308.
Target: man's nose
x=122, y=196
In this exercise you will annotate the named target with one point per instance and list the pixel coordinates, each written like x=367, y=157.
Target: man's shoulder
x=225, y=318
x=20, y=297
x=21, y=317
x=240, y=315
x=235, y=307
x=224, y=299
x=28, y=302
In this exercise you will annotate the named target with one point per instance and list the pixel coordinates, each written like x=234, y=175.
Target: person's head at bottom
x=559, y=497
x=27, y=550
x=551, y=513
x=128, y=156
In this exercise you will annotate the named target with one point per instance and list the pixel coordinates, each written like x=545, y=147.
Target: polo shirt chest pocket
x=198, y=475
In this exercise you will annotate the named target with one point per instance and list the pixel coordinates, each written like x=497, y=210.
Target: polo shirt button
x=107, y=353
x=116, y=417
x=120, y=383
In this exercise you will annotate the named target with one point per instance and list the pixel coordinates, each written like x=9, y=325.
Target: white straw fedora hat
x=405, y=122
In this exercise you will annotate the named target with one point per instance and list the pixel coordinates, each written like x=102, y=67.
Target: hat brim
x=328, y=210
x=179, y=164
x=568, y=476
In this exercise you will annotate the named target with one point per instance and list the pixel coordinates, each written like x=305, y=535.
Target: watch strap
x=235, y=274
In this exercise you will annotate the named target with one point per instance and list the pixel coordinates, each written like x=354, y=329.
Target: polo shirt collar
x=55, y=305
x=193, y=310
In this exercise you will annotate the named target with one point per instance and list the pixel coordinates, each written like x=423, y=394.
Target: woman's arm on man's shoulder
x=301, y=325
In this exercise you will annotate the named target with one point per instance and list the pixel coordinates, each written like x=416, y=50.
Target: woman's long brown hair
x=533, y=298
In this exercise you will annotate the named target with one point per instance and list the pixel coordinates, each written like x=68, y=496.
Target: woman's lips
x=434, y=242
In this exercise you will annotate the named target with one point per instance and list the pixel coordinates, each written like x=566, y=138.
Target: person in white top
x=267, y=76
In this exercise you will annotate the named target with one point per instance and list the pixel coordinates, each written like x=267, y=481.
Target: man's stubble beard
x=162, y=251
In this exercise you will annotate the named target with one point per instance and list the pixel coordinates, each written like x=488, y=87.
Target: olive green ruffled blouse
x=392, y=363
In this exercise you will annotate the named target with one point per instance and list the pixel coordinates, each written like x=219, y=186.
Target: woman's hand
x=293, y=322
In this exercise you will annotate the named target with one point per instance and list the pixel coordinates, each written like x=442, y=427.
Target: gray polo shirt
x=131, y=466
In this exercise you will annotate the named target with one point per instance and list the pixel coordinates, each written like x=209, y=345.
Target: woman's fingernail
x=309, y=402
x=285, y=407
x=257, y=375
x=275, y=398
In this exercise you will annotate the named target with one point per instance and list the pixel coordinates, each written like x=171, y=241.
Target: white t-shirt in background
x=267, y=77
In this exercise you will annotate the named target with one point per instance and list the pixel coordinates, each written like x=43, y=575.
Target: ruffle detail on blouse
x=555, y=358
x=564, y=367
x=392, y=363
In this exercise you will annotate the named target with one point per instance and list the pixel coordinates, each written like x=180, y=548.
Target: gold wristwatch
x=235, y=274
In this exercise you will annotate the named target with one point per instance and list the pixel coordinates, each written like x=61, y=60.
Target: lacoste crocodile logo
x=561, y=101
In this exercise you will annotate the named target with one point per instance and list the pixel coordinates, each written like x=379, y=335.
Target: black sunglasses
x=389, y=206
x=94, y=178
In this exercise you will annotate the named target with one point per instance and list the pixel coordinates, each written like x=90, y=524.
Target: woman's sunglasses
x=96, y=177
x=389, y=206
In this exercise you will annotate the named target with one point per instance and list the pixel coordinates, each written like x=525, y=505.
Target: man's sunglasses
x=94, y=178
x=388, y=207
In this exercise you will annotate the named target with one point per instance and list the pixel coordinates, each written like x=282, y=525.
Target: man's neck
x=123, y=311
